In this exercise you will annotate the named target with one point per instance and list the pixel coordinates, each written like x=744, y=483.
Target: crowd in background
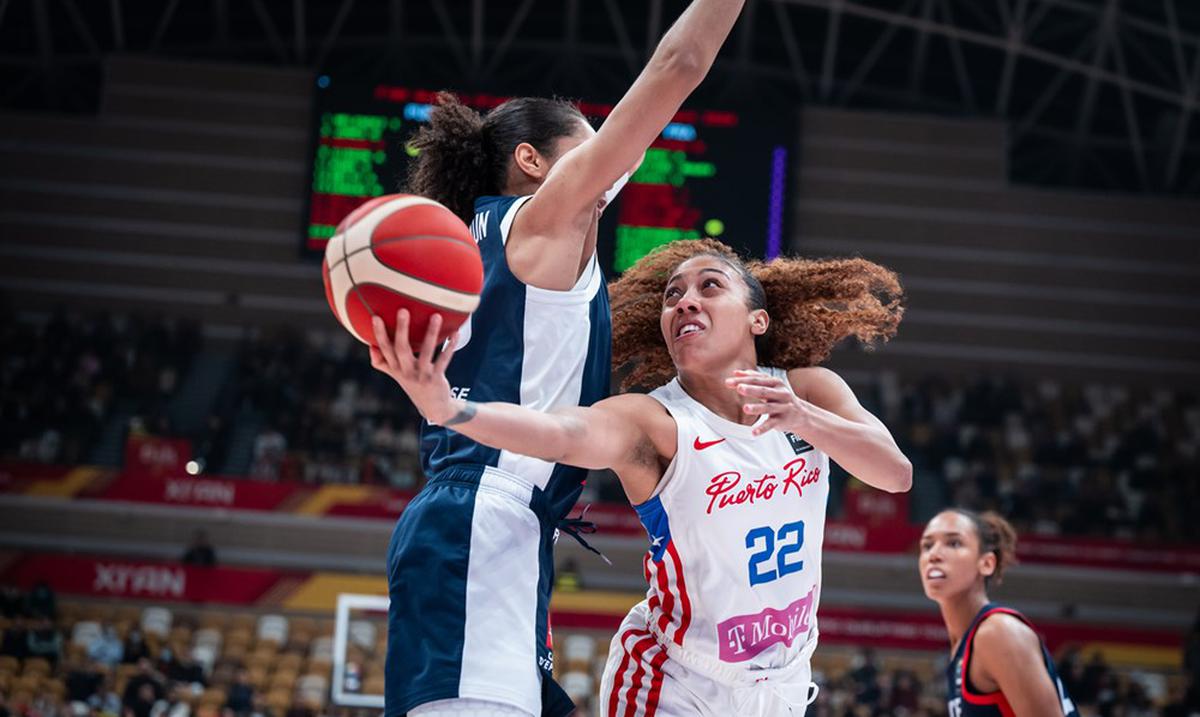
x=330, y=417
x=158, y=681
x=1054, y=458
x=119, y=670
x=1079, y=460
x=62, y=378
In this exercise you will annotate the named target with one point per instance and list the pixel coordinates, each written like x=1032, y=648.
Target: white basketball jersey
x=736, y=527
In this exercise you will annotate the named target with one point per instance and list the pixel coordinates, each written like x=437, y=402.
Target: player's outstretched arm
x=604, y=435
x=820, y=408
x=680, y=62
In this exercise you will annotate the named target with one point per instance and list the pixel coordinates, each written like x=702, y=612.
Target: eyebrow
x=951, y=534
x=707, y=268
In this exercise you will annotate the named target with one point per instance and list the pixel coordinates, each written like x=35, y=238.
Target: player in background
x=470, y=563
x=727, y=464
x=999, y=666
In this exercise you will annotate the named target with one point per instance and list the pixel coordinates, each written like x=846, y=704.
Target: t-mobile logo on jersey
x=745, y=636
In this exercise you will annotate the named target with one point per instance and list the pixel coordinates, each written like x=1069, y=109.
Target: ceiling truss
x=1104, y=92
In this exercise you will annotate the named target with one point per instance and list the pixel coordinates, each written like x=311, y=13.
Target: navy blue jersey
x=534, y=347
x=962, y=697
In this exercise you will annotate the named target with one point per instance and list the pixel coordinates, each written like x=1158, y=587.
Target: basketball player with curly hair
x=470, y=563
x=727, y=464
x=999, y=666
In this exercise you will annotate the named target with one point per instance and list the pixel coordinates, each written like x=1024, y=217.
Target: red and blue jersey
x=963, y=700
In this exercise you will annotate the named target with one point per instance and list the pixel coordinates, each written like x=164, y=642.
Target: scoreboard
x=713, y=172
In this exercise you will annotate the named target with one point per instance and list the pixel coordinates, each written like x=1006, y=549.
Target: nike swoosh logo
x=701, y=445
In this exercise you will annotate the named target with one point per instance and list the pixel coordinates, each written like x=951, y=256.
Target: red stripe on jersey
x=664, y=589
x=635, y=682
x=996, y=698
x=656, y=681
x=651, y=569
x=685, y=617
x=616, y=688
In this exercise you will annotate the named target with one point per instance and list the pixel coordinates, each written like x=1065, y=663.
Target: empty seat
x=578, y=651
x=577, y=684
x=312, y=690
x=214, y=620
x=322, y=649
x=36, y=666
x=207, y=637
x=156, y=621
x=85, y=632
x=362, y=633
x=279, y=700
x=205, y=656
x=289, y=661
x=273, y=628
x=214, y=696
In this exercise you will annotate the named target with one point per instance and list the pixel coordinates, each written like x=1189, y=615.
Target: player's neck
x=519, y=186
x=958, y=614
x=710, y=390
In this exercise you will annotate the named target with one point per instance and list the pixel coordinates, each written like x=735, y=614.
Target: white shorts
x=640, y=677
x=467, y=708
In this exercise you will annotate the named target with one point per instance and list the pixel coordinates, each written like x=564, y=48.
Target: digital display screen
x=713, y=172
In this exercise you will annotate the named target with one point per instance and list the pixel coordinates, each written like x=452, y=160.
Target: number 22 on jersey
x=782, y=544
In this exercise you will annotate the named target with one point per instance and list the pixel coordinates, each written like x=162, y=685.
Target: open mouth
x=935, y=574
x=688, y=328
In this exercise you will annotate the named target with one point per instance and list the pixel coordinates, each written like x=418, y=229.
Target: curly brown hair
x=813, y=303
x=464, y=155
x=996, y=535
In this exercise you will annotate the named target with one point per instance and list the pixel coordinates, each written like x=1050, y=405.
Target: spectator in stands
x=200, y=552
x=107, y=649
x=240, y=697
x=905, y=694
x=1191, y=652
x=135, y=648
x=1096, y=676
x=12, y=601
x=142, y=701
x=44, y=640
x=165, y=665
x=1070, y=670
x=84, y=682
x=865, y=676
x=176, y=704
x=269, y=449
x=16, y=639
x=142, y=690
x=185, y=670
x=41, y=601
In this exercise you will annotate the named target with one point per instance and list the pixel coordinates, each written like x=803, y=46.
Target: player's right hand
x=422, y=376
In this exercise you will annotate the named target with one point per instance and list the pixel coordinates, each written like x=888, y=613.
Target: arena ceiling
x=1097, y=93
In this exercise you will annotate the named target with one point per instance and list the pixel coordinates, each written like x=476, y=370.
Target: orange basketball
x=402, y=251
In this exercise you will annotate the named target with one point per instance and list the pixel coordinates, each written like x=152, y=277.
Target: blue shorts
x=470, y=568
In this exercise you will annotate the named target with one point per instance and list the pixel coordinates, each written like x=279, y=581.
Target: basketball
x=402, y=252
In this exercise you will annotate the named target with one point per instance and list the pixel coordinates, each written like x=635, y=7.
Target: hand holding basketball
x=402, y=251
x=422, y=376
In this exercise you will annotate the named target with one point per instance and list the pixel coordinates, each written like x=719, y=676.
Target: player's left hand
x=772, y=397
